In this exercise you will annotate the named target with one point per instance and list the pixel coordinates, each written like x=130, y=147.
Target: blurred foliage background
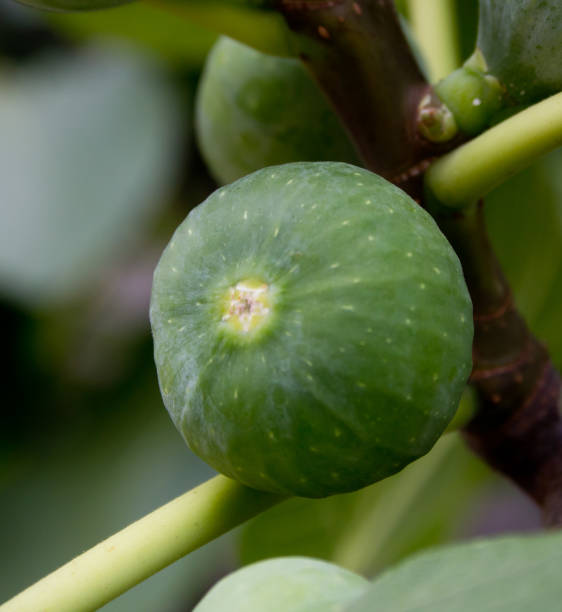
x=98, y=165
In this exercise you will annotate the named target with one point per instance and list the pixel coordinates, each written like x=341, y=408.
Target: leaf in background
x=364, y=531
x=514, y=574
x=147, y=25
x=68, y=493
x=524, y=219
x=88, y=153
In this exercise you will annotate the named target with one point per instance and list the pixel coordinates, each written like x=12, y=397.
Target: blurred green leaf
x=514, y=574
x=524, y=218
x=158, y=31
x=82, y=485
x=366, y=530
x=88, y=154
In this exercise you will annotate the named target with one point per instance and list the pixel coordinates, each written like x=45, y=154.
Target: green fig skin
x=359, y=363
x=521, y=41
x=286, y=584
x=255, y=110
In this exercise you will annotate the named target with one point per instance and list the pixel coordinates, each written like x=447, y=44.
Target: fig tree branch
x=471, y=171
x=358, y=53
x=144, y=548
x=518, y=427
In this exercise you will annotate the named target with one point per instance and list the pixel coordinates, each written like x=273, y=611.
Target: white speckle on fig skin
x=276, y=232
x=349, y=307
x=388, y=340
x=463, y=319
x=289, y=181
x=409, y=254
x=335, y=265
x=422, y=285
x=408, y=321
x=370, y=238
x=437, y=270
x=189, y=231
x=181, y=328
x=391, y=211
x=367, y=202
x=245, y=215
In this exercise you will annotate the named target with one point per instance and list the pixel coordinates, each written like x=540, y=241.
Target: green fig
x=312, y=329
x=255, y=110
x=286, y=584
x=521, y=41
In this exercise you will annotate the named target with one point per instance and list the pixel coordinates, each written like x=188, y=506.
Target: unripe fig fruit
x=312, y=329
x=521, y=41
x=286, y=584
x=255, y=110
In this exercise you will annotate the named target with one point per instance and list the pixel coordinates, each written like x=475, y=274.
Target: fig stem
x=517, y=428
x=461, y=177
x=143, y=548
x=434, y=23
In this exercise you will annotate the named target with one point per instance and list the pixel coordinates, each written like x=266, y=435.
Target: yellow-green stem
x=434, y=25
x=143, y=548
x=466, y=174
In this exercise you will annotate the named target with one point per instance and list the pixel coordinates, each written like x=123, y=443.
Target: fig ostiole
x=312, y=329
x=285, y=584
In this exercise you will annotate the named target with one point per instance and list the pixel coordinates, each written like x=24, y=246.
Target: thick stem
x=358, y=53
x=468, y=173
x=143, y=548
x=518, y=427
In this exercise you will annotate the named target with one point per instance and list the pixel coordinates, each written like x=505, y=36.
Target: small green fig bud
x=473, y=96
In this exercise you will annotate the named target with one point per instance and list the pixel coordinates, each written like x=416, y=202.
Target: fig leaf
x=294, y=584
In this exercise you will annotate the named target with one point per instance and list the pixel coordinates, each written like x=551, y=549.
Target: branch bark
x=358, y=53
x=518, y=427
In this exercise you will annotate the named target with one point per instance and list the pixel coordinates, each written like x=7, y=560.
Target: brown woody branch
x=358, y=53
x=518, y=428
